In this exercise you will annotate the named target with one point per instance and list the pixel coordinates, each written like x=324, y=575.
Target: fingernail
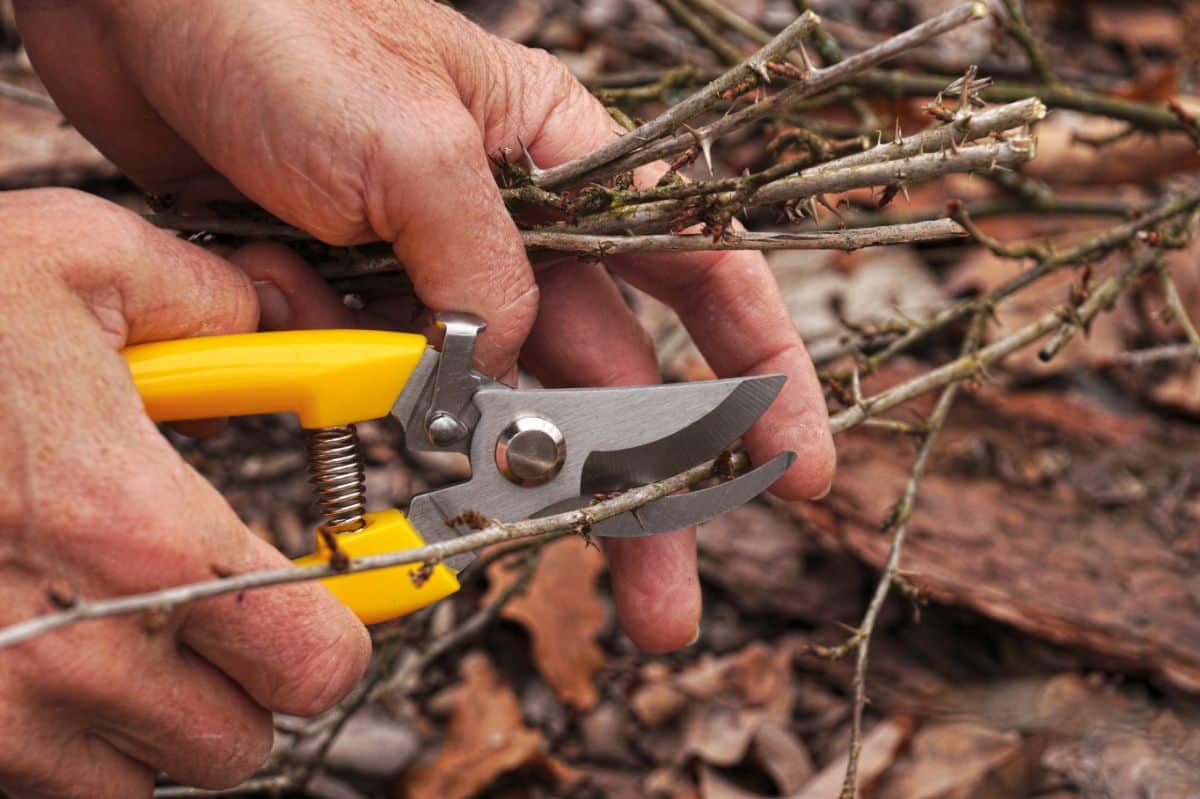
x=695, y=637
x=274, y=313
x=824, y=492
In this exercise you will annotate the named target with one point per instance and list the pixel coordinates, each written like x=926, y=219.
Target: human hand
x=361, y=120
x=96, y=503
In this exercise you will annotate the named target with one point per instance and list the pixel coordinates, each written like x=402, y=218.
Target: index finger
x=730, y=303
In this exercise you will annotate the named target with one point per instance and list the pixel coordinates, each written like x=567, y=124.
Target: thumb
x=140, y=283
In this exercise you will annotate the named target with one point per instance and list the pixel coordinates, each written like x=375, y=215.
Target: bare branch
x=753, y=67
x=898, y=522
x=645, y=149
x=850, y=239
x=649, y=216
x=1018, y=29
x=1178, y=311
x=168, y=598
x=11, y=91
x=966, y=366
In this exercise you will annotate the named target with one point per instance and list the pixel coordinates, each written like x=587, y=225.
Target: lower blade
x=684, y=510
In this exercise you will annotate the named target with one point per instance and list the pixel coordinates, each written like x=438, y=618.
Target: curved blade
x=684, y=510
x=703, y=439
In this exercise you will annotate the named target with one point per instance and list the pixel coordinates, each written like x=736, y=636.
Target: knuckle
x=324, y=675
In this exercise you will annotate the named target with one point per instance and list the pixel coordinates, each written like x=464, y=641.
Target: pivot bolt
x=530, y=451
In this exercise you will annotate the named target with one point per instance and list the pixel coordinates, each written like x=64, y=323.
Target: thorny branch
x=165, y=600
x=596, y=211
x=897, y=522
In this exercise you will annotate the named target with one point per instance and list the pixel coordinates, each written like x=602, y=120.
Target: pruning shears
x=532, y=452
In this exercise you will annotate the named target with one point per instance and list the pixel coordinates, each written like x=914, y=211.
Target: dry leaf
x=563, y=614
x=485, y=738
x=657, y=702
x=957, y=761
x=880, y=744
x=1108, y=743
x=783, y=756
x=742, y=692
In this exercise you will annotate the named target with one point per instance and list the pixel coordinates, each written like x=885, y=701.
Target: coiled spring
x=336, y=472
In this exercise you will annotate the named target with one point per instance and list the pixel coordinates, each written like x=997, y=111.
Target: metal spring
x=336, y=472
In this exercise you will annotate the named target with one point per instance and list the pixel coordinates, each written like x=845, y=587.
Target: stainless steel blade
x=642, y=433
x=704, y=439
x=684, y=510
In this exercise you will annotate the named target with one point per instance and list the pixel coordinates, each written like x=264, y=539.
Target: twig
x=22, y=95
x=1175, y=304
x=382, y=681
x=1167, y=352
x=1188, y=121
x=712, y=40
x=898, y=522
x=753, y=67
x=1148, y=117
x=598, y=245
x=166, y=599
x=258, y=785
x=965, y=128
x=604, y=163
x=1075, y=321
x=1018, y=29
x=650, y=216
x=963, y=367
x=826, y=46
x=1094, y=247
x=850, y=239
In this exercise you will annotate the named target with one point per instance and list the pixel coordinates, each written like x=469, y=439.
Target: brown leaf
x=956, y=761
x=880, y=744
x=1106, y=741
x=657, y=702
x=563, y=614
x=783, y=756
x=742, y=692
x=485, y=738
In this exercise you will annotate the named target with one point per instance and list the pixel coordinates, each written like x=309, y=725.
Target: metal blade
x=684, y=510
x=703, y=439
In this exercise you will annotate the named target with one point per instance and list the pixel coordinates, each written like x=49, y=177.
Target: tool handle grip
x=384, y=594
x=325, y=377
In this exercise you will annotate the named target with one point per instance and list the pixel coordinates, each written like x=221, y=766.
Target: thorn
x=898, y=138
x=904, y=188
x=760, y=69
x=527, y=160
x=804, y=59
x=812, y=209
x=705, y=146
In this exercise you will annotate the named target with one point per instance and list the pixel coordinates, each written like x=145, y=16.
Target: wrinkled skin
x=97, y=503
x=363, y=120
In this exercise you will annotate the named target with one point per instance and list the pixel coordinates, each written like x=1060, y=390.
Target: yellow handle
x=384, y=594
x=325, y=377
